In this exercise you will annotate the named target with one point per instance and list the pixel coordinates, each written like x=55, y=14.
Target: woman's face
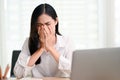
x=46, y=21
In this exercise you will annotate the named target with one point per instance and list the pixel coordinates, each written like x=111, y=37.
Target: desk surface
x=55, y=78
x=46, y=78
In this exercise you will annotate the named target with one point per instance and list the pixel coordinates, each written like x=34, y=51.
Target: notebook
x=26, y=78
x=96, y=64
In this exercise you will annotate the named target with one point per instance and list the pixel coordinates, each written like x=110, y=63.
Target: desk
x=55, y=78
x=46, y=78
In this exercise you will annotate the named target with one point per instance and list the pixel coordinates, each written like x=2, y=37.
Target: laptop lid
x=96, y=64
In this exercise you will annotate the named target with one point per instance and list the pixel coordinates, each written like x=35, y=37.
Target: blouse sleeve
x=65, y=59
x=21, y=69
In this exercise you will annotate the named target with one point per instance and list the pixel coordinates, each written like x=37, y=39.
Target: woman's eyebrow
x=47, y=22
x=39, y=23
x=44, y=23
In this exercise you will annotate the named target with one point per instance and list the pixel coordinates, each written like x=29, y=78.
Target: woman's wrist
x=54, y=53
x=41, y=49
x=51, y=49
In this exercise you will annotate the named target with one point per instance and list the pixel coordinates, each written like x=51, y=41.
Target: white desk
x=46, y=78
x=55, y=78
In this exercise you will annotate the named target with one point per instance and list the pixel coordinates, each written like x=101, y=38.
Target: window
x=86, y=22
x=117, y=22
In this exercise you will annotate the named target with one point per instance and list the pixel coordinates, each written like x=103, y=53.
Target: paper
x=31, y=79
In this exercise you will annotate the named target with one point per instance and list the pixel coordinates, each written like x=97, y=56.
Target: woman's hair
x=34, y=37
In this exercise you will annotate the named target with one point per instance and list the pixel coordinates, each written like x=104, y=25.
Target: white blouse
x=48, y=66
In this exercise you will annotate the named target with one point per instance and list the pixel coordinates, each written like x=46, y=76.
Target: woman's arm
x=65, y=58
x=21, y=64
x=25, y=61
x=35, y=57
x=55, y=54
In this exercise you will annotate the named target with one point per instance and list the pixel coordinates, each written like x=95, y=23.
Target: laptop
x=96, y=64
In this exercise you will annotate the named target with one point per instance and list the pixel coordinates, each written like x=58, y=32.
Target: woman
x=46, y=53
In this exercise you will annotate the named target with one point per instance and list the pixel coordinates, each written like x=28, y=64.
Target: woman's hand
x=41, y=37
x=49, y=38
x=49, y=41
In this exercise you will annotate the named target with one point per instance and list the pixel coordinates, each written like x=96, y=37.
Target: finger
x=39, y=30
x=42, y=36
x=50, y=29
x=45, y=34
x=47, y=30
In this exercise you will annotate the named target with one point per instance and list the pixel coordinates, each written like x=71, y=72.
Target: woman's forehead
x=44, y=18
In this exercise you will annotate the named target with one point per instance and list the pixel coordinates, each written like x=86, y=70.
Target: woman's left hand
x=49, y=38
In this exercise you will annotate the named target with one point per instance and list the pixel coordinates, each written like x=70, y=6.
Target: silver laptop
x=96, y=64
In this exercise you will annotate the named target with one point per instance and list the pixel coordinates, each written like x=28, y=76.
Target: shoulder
x=64, y=40
x=26, y=42
x=69, y=42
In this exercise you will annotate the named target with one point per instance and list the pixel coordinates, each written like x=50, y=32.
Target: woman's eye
x=47, y=24
x=39, y=25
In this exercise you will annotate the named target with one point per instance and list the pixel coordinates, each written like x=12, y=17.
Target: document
x=31, y=79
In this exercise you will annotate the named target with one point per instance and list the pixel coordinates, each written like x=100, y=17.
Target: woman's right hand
x=41, y=37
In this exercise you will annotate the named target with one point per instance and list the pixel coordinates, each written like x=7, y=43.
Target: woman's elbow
x=18, y=72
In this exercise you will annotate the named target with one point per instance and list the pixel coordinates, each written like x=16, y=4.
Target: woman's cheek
x=38, y=28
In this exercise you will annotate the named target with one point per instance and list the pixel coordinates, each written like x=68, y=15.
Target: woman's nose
x=43, y=26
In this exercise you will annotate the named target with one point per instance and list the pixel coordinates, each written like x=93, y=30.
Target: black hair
x=34, y=37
